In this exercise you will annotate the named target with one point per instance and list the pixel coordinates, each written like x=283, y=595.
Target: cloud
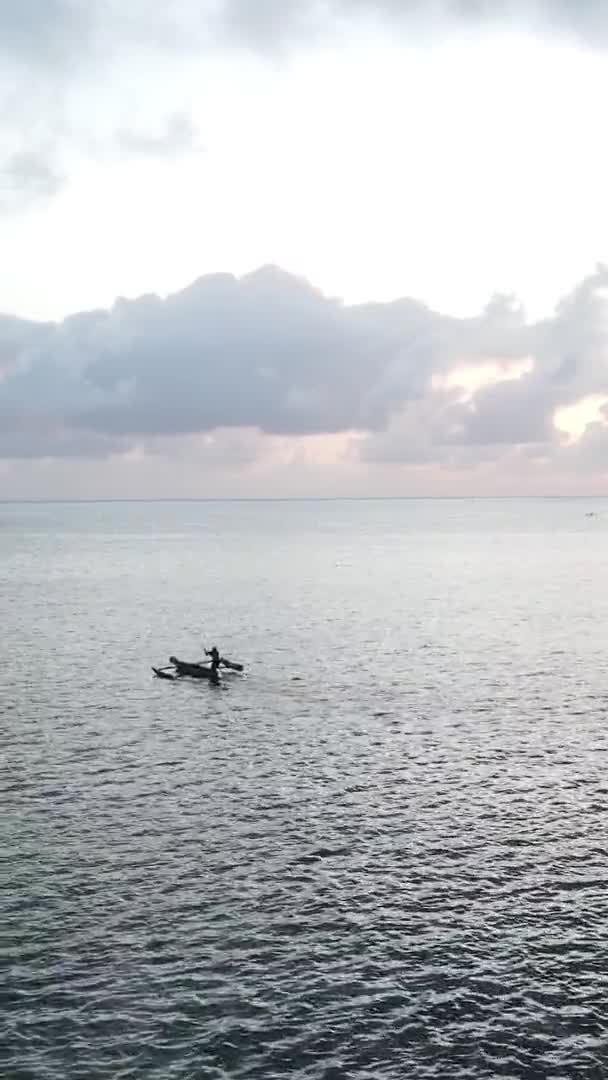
x=63, y=35
x=419, y=434
x=16, y=337
x=267, y=351
x=231, y=370
x=45, y=33
x=63, y=62
x=177, y=135
x=569, y=363
x=55, y=53
x=296, y=21
x=68, y=72
x=38, y=435
x=25, y=177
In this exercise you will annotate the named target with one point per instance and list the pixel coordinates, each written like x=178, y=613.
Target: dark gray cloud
x=269, y=353
x=32, y=435
x=17, y=336
x=518, y=411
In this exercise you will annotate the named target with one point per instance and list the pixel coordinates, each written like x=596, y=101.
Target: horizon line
x=283, y=498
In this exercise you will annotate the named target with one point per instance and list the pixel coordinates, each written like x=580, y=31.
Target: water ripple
x=368, y=873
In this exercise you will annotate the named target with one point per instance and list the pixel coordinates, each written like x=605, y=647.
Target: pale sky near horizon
x=376, y=157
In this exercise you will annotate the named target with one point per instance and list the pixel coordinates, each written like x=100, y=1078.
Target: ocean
x=379, y=853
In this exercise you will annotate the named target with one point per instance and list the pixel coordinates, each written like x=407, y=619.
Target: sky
x=303, y=247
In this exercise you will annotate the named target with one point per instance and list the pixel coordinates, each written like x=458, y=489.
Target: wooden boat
x=195, y=671
x=162, y=674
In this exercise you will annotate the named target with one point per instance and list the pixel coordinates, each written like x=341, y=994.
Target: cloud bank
x=62, y=35
x=230, y=368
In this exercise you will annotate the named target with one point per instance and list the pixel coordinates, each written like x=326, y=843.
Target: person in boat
x=215, y=658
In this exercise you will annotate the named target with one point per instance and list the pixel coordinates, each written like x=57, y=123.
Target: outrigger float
x=176, y=669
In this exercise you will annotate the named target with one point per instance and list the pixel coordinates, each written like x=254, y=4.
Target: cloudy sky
x=298, y=247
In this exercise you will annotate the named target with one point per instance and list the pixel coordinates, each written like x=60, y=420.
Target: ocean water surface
x=380, y=853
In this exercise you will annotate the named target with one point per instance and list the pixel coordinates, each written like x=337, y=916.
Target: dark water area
x=380, y=853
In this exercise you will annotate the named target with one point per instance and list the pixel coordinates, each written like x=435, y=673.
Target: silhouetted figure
x=215, y=658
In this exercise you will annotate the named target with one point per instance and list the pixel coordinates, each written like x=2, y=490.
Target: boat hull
x=195, y=671
x=160, y=674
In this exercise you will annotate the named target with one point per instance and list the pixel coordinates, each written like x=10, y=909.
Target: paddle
x=232, y=664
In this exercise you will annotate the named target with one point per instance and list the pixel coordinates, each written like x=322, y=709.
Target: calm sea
x=381, y=853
